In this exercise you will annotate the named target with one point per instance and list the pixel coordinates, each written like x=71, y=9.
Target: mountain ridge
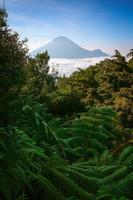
x=63, y=47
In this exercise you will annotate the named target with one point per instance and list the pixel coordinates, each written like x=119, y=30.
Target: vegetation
x=109, y=83
x=64, y=138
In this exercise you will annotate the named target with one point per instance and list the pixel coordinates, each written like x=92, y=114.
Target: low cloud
x=68, y=66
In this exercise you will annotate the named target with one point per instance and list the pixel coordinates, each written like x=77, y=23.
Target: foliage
x=13, y=56
x=108, y=83
x=39, y=80
x=80, y=153
x=39, y=156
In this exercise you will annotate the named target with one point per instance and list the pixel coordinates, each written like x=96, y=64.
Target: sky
x=93, y=24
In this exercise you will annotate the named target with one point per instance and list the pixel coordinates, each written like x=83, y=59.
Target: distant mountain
x=62, y=47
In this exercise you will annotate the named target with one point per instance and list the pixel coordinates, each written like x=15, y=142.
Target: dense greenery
x=64, y=138
x=109, y=83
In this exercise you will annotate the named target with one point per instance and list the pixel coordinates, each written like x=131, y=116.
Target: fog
x=68, y=66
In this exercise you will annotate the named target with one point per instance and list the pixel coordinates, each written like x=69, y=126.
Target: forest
x=64, y=138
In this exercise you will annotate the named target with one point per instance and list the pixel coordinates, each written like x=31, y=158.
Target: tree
x=84, y=157
x=130, y=55
x=107, y=83
x=119, y=58
x=40, y=80
x=13, y=58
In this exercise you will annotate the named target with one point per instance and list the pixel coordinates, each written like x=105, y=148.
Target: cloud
x=54, y=18
x=26, y=20
x=61, y=6
x=68, y=66
x=36, y=30
x=40, y=31
x=17, y=2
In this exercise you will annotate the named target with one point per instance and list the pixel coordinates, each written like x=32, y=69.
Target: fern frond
x=78, y=191
x=124, y=154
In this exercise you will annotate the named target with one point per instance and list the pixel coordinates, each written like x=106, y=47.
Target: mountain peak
x=62, y=47
x=60, y=38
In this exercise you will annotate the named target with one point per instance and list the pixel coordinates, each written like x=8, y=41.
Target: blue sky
x=105, y=24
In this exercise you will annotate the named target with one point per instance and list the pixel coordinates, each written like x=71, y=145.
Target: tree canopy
x=63, y=138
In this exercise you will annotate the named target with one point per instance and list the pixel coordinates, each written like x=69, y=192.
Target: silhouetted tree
x=13, y=57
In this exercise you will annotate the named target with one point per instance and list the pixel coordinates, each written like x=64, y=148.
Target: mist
x=68, y=66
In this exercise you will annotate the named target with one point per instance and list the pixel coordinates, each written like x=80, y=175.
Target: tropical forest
x=64, y=137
